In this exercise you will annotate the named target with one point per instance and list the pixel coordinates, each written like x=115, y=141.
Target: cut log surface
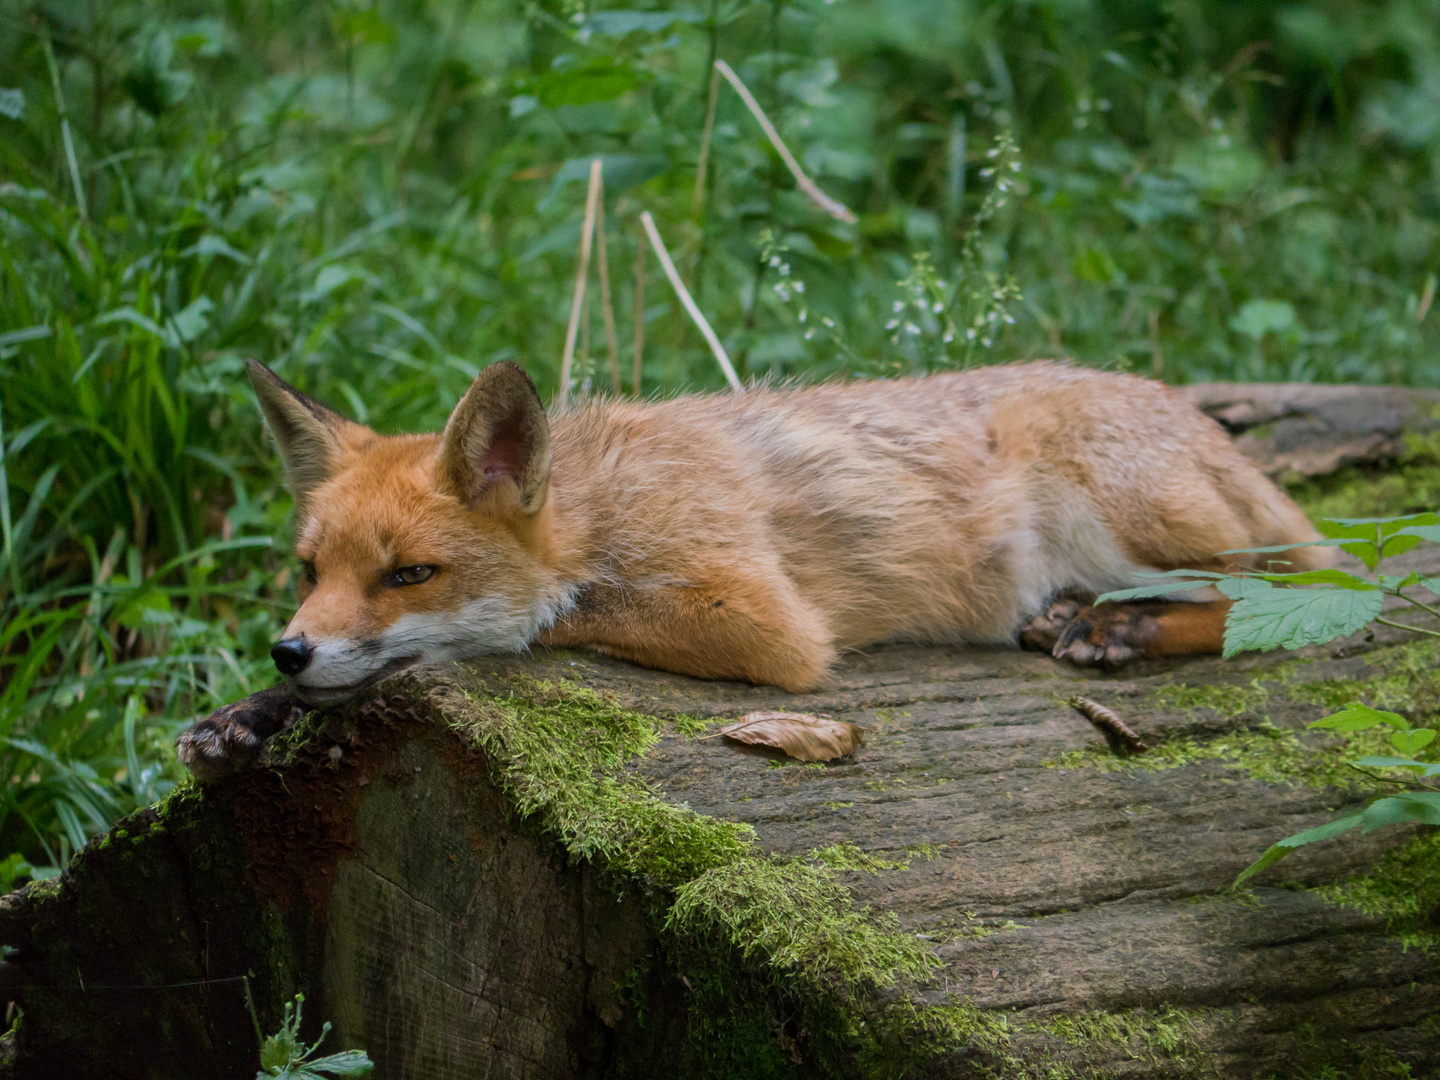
x=457, y=896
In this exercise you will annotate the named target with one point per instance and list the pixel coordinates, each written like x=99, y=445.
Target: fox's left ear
x=496, y=444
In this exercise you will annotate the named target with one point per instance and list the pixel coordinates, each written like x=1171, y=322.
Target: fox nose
x=291, y=654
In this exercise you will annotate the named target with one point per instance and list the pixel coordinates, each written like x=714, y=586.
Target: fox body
x=757, y=535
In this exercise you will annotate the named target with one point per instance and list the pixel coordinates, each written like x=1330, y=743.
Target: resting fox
x=758, y=535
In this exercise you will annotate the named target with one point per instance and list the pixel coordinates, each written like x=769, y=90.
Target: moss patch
x=1403, y=678
x=737, y=916
x=1403, y=888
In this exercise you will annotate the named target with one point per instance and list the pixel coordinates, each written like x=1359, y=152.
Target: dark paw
x=229, y=739
x=1043, y=631
x=1107, y=636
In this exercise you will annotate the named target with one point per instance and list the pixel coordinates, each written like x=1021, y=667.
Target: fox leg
x=757, y=631
x=1113, y=634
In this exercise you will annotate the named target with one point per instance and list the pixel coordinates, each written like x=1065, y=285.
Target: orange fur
x=755, y=536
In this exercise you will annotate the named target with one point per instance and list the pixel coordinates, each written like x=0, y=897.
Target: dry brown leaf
x=799, y=735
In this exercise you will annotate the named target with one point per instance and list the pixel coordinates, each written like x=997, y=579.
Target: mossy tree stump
x=533, y=867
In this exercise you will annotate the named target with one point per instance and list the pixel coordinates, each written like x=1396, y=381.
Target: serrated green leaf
x=1430, y=533
x=1412, y=742
x=1321, y=577
x=1422, y=806
x=1293, y=618
x=1431, y=584
x=1375, y=762
x=1237, y=588
x=1358, y=716
x=345, y=1063
x=1174, y=581
x=1278, y=547
x=1398, y=581
x=1279, y=850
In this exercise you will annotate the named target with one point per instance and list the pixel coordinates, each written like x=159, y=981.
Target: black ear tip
x=507, y=371
x=259, y=371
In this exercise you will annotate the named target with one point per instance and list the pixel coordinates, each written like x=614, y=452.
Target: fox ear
x=311, y=437
x=496, y=444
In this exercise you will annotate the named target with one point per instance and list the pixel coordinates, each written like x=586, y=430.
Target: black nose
x=291, y=654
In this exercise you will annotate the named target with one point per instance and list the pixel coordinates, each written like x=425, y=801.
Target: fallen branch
x=688, y=301
x=833, y=207
x=1107, y=721
x=587, y=233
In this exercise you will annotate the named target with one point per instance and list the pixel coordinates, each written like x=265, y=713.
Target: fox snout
x=292, y=655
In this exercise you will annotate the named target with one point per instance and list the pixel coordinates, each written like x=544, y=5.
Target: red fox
x=758, y=535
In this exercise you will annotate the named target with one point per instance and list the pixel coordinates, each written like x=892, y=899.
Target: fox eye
x=412, y=575
x=307, y=571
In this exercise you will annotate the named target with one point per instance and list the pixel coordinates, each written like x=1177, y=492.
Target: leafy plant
x=1293, y=610
x=285, y=1055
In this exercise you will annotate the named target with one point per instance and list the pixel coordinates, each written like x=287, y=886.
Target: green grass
x=377, y=199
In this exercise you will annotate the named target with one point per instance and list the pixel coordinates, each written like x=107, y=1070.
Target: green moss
x=1272, y=754
x=1403, y=888
x=1316, y=1057
x=1404, y=678
x=1153, y=1035
x=753, y=929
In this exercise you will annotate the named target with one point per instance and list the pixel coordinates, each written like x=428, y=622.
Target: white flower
x=898, y=306
x=937, y=307
x=892, y=324
x=799, y=286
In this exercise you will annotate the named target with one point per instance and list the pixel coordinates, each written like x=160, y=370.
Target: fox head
x=414, y=548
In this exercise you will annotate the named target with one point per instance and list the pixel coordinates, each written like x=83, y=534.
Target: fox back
x=751, y=535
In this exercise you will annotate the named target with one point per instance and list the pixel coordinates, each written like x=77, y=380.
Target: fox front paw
x=229, y=739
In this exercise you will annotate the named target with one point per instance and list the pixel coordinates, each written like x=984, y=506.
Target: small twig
x=587, y=233
x=1418, y=603
x=639, y=313
x=688, y=301
x=697, y=203
x=1415, y=784
x=1106, y=720
x=612, y=345
x=1407, y=626
x=833, y=207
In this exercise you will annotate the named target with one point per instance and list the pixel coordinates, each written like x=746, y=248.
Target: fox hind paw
x=1107, y=637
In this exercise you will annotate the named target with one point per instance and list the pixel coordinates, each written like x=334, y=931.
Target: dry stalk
x=697, y=203
x=688, y=301
x=833, y=207
x=577, y=304
x=1106, y=720
x=639, y=311
x=612, y=344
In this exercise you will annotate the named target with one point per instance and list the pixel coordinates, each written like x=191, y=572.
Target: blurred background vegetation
x=379, y=197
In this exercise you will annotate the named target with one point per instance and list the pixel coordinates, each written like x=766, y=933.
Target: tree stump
x=535, y=867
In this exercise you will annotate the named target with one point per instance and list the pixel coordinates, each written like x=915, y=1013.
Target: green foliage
x=1292, y=610
x=287, y=1056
